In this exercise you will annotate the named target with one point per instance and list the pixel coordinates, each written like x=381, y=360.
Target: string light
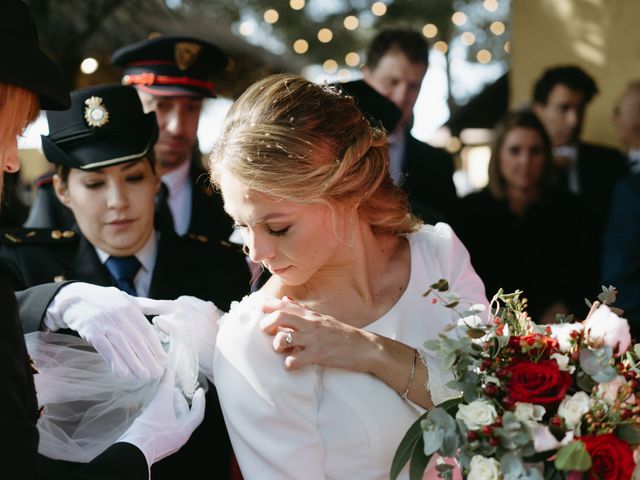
x=296, y=4
x=459, y=18
x=330, y=66
x=468, y=38
x=497, y=28
x=352, y=59
x=484, y=56
x=507, y=46
x=247, y=28
x=344, y=75
x=441, y=46
x=325, y=35
x=351, y=22
x=378, y=9
x=300, y=46
x=271, y=16
x=430, y=30
x=490, y=5
x=89, y=65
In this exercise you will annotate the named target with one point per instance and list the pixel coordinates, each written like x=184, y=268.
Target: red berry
x=472, y=435
x=490, y=389
x=494, y=441
x=487, y=430
x=556, y=420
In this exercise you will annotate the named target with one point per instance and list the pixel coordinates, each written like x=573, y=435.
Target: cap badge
x=95, y=112
x=186, y=54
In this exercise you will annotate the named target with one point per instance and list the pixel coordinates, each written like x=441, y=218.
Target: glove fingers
x=196, y=414
x=144, y=341
x=109, y=355
x=165, y=324
x=149, y=306
x=128, y=347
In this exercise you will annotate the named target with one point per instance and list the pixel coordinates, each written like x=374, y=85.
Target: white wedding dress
x=321, y=423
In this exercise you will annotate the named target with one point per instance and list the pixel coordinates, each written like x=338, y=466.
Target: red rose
x=611, y=458
x=543, y=382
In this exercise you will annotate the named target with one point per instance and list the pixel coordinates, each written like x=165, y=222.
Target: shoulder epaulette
x=33, y=236
x=198, y=238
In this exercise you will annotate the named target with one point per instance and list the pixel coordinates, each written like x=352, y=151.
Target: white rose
x=605, y=326
x=562, y=333
x=528, y=413
x=483, y=468
x=544, y=440
x=572, y=408
x=477, y=414
x=563, y=362
x=610, y=389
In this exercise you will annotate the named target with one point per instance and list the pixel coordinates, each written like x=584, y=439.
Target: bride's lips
x=278, y=271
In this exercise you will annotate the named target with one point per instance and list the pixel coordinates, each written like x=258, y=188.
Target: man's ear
x=537, y=107
x=61, y=189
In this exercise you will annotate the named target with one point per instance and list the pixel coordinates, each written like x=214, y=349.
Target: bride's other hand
x=307, y=337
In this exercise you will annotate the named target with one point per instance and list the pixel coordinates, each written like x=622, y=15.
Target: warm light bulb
x=352, y=59
x=484, y=56
x=300, y=46
x=378, y=9
x=351, y=22
x=441, y=46
x=271, y=16
x=468, y=38
x=89, y=65
x=325, y=35
x=430, y=30
x=296, y=4
x=459, y=18
x=330, y=66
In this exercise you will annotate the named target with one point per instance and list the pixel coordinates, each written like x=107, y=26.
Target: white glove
x=200, y=317
x=166, y=423
x=111, y=321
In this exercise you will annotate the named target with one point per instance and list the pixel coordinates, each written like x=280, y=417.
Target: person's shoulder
x=428, y=150
x=597, y=151
x=49, y=237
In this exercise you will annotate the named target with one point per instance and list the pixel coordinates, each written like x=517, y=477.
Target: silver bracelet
x=404, y=394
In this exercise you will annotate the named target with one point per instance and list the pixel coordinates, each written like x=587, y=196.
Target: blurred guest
x=105, y=174
x=626, y=120
x=396, y=64
x=521, y=232
x=14, y=211
x=560, y=99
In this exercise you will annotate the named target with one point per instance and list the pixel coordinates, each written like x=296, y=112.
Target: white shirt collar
x=146, y=255
x=176, y=179
x=570, y=152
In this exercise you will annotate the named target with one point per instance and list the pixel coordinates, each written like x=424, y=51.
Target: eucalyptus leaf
x=476, y=332
x=573, y=457
x=406, y=447
x=441, y=285
x=419, y=462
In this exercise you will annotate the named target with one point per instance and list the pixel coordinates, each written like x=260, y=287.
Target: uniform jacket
x=184, y=266
x=429, y=181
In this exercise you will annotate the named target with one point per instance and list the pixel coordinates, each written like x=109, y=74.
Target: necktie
x=123, y=270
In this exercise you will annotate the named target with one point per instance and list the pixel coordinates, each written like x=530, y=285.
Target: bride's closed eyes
x=276, y=232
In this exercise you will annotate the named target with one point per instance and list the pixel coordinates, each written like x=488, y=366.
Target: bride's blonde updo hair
x=307, y=143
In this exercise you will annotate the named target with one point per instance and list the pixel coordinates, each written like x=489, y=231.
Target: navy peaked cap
x=105, y=126
x=170, y=66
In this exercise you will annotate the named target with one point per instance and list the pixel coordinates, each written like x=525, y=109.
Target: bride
x=305, y=178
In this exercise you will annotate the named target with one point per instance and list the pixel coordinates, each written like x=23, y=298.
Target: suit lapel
x=87, y=267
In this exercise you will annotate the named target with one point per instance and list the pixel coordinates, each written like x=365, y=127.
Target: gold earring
x=245, y=249
x=351, y=232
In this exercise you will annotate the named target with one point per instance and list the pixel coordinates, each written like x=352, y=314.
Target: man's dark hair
x=570, y=76
x=409, y=42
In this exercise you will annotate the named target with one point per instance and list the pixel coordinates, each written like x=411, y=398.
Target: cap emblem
x=95, y=112
x=186, y=54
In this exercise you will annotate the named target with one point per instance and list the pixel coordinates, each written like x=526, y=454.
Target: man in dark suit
x=28, y=81
x=396, y=64
x=560, y=99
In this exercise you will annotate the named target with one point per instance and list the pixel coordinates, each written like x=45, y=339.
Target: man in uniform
x=396, y=64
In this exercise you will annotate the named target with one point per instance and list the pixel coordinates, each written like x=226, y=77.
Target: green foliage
x=573, y=457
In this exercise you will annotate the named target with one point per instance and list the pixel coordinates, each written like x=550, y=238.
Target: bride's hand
x=316, y=339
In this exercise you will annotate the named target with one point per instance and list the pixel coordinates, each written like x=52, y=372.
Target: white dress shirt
x=570, y=153
x=147, y=258
x=633, y=157
x=180, y=188
x=321, y=423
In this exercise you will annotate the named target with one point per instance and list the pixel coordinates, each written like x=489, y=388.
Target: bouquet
x=537, y=402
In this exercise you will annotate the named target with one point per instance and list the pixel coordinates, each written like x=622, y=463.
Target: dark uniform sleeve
x=18, y=403
x=121, y=461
